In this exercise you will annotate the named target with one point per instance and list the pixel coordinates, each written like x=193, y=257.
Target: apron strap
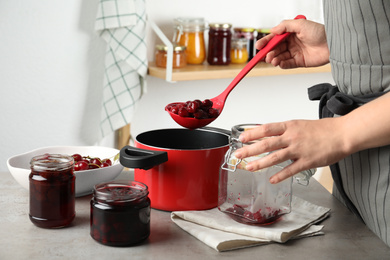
x=333, y=102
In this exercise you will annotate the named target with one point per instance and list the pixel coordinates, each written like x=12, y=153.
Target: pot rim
x=217, y=131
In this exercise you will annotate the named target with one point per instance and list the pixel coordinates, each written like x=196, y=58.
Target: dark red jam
x=120, y=213
x=220, y=37
x=52, y=191
x=264, y=216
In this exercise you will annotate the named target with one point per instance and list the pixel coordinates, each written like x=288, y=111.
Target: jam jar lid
x=162, y=47
x=220, y=25
x=53, y=162
x=120, y=191
x=248, y=29
x=265, y=31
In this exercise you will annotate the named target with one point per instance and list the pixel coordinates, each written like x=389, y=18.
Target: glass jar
x=249, y=197
x=239, y=52
x=52, y=191
x=120, y=213
x=260, y=34
x=220, y=37
x=249, y=35
x=179, y=56
x=189, y=32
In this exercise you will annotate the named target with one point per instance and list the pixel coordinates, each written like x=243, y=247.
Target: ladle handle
x=256, y=59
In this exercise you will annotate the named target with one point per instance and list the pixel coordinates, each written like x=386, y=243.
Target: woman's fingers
x=292, y=141
x=271, y=159
x=261, y=131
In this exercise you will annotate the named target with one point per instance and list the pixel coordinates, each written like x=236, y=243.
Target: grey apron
x=358, y=32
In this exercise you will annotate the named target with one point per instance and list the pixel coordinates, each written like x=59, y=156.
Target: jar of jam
x=179, y=56
x=120, y=213
x=239, y=52
x=52, y=191
x=249, y=197
x=261, y=33
x=189, y=32
x=220, y=37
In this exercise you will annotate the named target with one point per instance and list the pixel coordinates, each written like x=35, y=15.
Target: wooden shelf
x=205, y=71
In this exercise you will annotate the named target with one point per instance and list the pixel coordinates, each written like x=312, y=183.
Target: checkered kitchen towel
x=122, y=24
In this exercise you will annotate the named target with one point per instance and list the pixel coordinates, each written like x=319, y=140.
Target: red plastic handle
x=256, y=59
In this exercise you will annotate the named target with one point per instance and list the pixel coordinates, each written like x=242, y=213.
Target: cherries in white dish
x=82, y=163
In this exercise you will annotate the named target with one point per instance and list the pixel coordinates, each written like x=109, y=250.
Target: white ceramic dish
x=19, y=166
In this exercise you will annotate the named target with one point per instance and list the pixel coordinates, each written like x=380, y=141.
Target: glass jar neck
x=51, y=162
x=189, y=24
x=120, y=193
x=237, y=130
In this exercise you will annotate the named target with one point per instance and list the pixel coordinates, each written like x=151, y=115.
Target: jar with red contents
x=52, y=191
x=220, y=37
x=120, y=213
x=248, y=197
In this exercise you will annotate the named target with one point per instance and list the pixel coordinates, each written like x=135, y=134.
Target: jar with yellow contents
x=189, y=32
x=239, y=52
x=179, y=56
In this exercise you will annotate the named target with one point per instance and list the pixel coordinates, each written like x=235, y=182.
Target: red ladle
x=219, y=101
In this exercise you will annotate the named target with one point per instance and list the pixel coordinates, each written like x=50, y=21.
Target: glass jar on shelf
x=179, y=56
x=261, y=33
x=219, y=48
x=189, y=32
x=248, y=34
x=239, y=52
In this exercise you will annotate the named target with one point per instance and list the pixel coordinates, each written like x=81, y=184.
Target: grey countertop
x=346, y=237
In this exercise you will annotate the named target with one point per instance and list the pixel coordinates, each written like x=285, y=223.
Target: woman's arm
x=317, y=143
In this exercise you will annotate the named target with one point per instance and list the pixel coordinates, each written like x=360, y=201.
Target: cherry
x=198, y=102
x=200, y=114
x=105, y=164
x=96, y=161
x=87, y=162
x=175, y=110
x=192, y=107
x=207, y=103
x=213, y=113
x=77, y=157
x=107, y=161
x=183, y=112
x=196, y=109
x=81, y=166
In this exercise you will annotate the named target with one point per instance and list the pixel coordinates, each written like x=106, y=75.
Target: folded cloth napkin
x=219, y=231
x=122, y=24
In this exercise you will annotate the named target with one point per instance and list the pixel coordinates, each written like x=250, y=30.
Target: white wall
x=51, y=72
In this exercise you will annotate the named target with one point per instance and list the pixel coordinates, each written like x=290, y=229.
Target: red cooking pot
x=179, y=166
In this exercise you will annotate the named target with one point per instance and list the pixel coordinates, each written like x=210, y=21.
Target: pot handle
x=132, y=157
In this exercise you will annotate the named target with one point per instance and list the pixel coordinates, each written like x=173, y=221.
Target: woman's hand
x=305, y=47
x=309, y=143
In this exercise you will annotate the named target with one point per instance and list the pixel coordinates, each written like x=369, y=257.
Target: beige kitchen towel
x=122, y=24
x=219, y=231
